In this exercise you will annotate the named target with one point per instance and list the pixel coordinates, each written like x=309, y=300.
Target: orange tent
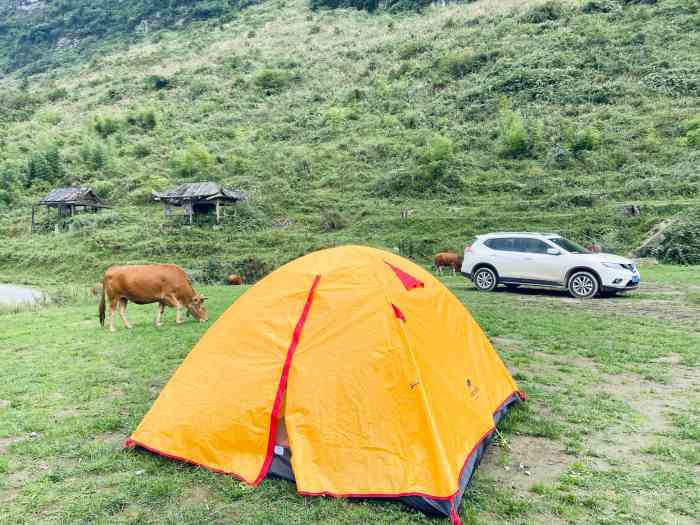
x=352, y=371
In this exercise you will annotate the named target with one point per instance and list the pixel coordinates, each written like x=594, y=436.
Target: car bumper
x=467, y=275
x=619, y=280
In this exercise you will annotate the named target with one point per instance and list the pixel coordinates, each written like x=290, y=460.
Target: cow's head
x=197, y=309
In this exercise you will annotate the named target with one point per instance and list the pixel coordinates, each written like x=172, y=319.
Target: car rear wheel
x=485, y=279
x=583, y=285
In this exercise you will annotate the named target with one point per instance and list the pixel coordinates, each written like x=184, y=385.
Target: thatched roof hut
x=67, y=202
x=198, y=198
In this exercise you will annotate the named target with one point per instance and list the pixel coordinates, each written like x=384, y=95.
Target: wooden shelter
x=198, y=199
x=66, y=203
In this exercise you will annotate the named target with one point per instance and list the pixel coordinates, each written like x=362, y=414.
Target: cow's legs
x=122, y=312
x=112, y=307
x=160, y=308
x=172, y=301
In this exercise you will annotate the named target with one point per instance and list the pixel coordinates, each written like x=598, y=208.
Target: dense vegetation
x=470, y=117
x=36, y=34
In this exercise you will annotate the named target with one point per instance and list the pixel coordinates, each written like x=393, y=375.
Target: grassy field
x=609, y=433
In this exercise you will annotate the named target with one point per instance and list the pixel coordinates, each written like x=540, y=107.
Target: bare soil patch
x=661, y=309
x=6, y=442
x=527, y=462
x=198, y=494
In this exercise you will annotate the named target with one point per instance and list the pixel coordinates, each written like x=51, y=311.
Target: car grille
x=631, y=283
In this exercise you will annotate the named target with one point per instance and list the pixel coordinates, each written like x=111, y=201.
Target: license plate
x=635, y=279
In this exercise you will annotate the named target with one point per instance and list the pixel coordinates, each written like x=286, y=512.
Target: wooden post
x=217, y=210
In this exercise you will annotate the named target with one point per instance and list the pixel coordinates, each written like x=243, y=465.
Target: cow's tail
x=102, y=302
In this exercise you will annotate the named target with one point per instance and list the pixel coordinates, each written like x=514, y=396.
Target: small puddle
x=11, y=295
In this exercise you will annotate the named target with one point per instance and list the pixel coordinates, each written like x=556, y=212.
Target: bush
x=157, y=82
x=193, y=161
x=332, y=220
x=95, y=155
x=691, y=131
x=431, y=175
x=145, y=119
x=252, y=269
x=106, y=126
x=45, y=166
x=681, y=244
x=586, y=139
x=57, y=94
x=461, y=63
x=539, y=14
x=515, y=139
x=274, y=80
x=413, y=49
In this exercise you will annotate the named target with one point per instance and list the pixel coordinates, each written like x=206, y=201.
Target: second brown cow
x=448, y=260
x=165, y=284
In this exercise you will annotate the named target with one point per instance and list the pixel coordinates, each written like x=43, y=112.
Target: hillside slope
x=473, y=117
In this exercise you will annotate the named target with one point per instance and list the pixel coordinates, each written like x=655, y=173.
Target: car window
x=503, y=244
x=531, y=245
x=568, y=245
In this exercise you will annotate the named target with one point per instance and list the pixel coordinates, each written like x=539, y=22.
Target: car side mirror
x=553, y=251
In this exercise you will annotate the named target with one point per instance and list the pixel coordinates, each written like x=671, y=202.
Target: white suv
x=545, y=259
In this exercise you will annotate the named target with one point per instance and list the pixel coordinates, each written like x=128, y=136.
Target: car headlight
x=616, y=266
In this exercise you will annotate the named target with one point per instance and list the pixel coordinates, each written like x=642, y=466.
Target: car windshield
x=568, y=245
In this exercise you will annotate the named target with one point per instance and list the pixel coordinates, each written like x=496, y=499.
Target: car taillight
x=467, y=248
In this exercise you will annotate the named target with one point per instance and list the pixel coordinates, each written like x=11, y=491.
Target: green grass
x=611, y=404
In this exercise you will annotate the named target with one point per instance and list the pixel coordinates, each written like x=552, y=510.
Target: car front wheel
x=485, y=279
x=583, y=285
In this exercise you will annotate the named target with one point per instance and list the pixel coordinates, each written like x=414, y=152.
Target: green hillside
x=489, y=115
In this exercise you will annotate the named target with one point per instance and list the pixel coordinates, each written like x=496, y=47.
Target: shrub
x=461, y=63
x=193, y=161
x=586, y=139
x=515, y=139
x=106, y=126
x=45, y=166
x=274, y=80
x=332, y=220
x=691, y=131
x=413, y=49
x=539, y=14
x=681, y=244
x=57, y=94
x=431, y=175
x=252, y=269
x=95, y=155
x=559, y=156
x=145, y=119
x=157, y=82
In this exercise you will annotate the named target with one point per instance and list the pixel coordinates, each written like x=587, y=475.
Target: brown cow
x=165, y=284
x=449, y=259
x=234, y=279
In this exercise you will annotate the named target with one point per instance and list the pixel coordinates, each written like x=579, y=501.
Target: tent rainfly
x=352, y=372
x=198, y=198
x=69, y=201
